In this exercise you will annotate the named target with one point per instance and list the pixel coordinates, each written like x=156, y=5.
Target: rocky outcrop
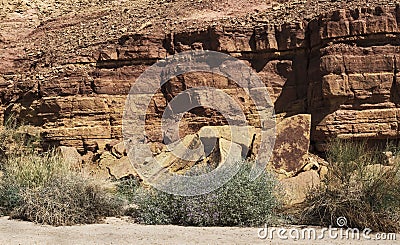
x=212, y=147
x=340, y=66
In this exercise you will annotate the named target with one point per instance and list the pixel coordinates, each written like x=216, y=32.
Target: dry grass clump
x=67, y=200
x=357, y=187
x=40, y=187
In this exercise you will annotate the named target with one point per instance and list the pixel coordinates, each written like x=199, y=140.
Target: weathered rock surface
x=71, y=156
x=241, y=135
x=292, y=143
x=69, y=74
x=119, y=150
x=110, y=167
x=183, y=154
x=199, y=150
x=296, y=188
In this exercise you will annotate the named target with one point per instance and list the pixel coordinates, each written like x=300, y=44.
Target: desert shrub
x=156, y=207
x=41, y=187
x=240, y=202
x=127, y=187
x=356, y=187
x=9, y=197
x=27, y=169
x=67, y=200
x=31, y=169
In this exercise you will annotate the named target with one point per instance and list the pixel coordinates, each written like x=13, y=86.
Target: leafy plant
x=240, y=202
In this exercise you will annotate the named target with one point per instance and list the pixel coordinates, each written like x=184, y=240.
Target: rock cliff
x=67, y=70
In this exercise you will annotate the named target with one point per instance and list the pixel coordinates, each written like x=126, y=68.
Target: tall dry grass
x=359, y=187
x=40, y=186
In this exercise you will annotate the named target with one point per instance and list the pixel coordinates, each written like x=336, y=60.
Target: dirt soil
x=120, y=231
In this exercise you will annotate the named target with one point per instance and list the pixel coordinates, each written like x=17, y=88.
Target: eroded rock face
x=341, y=67
x=107, y=166
x=241, y=135
x=334, y=74
x=201, y=150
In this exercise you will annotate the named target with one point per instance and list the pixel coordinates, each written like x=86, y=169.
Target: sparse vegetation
x=357, y=187
x=67, y=200
x=41, y=187
x=126, y=188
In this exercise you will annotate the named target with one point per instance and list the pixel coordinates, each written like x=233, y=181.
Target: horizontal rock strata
x=340, y=66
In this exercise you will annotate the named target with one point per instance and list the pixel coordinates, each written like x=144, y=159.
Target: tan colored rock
x=118, y=150
x=111, y=167
x=70, y=81
x=296, y=188
x=71, y=156
x=361, y=124
x=323, y=172
x=391, y=160
x=157, y=147
x=228, y=151
x=180, y=157
x=311, y=166
x=89, y=158
x=241, y=135
x=314, y=163
x=182, y=154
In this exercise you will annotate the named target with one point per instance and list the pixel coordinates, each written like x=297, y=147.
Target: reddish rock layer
x=341, y=67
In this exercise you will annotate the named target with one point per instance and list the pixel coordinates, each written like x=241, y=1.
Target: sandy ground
x=119, y=231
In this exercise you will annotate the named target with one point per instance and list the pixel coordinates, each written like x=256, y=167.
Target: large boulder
x=182, y=154
x=228, y=151
x=241, y=135
x=225, y=151
x=292, y=142
x=110, y=167
x=191, y=150
x=119, y=150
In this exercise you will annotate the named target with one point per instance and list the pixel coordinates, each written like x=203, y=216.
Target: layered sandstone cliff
x=69, y=74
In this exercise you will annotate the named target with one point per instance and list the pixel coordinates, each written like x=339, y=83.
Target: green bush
x=9, y=197
x=240, y=202
x=126, y=188
x=356, y=187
